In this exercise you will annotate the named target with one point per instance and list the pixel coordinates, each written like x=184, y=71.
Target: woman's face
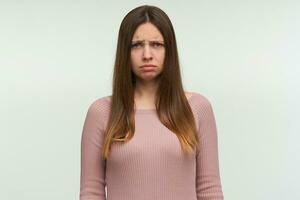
x=147, y=48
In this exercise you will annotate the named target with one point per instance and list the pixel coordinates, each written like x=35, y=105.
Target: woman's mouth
x=148, y=68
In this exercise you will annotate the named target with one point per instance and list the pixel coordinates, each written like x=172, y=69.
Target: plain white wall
x=56, y=57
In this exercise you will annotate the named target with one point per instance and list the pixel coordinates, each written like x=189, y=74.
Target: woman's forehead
x=148, y=32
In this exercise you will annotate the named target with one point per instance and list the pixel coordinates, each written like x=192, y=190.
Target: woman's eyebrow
x=144, y=40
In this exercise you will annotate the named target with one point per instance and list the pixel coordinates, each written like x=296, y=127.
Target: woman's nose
x=147, y=54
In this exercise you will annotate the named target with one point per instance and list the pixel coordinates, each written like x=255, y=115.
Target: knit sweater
x=151, y=166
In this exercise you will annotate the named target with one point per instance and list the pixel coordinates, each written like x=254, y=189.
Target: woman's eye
x=157, y=44
x=135, y=45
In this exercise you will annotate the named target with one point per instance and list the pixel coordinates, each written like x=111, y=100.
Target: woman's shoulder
x=100, y=105
x=198, y=97
x=199, y=101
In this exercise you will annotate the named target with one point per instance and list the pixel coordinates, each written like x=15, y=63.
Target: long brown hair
x=171, y=104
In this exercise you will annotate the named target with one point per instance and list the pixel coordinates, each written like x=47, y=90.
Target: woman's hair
x=171, y=104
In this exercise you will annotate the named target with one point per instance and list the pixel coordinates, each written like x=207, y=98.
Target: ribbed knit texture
x=151, y=166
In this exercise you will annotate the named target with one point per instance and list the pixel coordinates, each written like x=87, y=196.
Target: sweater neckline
x=153, y=110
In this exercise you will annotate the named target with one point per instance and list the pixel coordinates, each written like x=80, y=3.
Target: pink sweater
x=151, y=166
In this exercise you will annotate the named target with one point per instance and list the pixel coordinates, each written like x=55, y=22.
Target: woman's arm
x=208, y=183
x=92, y=177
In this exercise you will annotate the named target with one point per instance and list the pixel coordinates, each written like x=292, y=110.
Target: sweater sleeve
x=208, y=183
x=92, y=176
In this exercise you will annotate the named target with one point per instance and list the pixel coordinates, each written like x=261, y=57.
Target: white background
x=56, y=58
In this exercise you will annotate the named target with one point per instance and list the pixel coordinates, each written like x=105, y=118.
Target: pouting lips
x=148, y=66
x=148, y=69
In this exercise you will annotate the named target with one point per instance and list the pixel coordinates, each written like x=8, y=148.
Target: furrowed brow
x=144, y=41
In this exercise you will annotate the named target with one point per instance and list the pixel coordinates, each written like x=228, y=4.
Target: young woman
x=149, y=140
